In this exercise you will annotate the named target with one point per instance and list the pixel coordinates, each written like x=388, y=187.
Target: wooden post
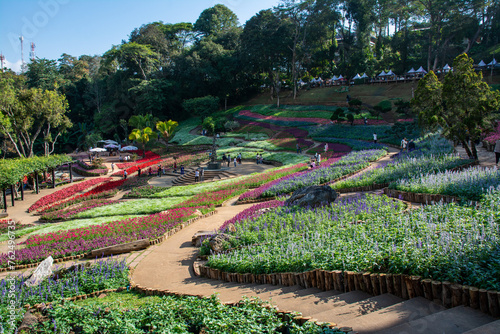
x=368, y=283
x=447, y=294
x=397, y=285
x=374, y=278
x=37, y=189
x=53, y=178
x=22, y=191
x=474, y=297
x=390, y=283
x=4, y=195
x=427, y=287
x=383, y=283
x=483, y=300
x=437, y=292
x=493, y=303
x=12, y=194
x=70, y=173
x=465, y=295
x=456, y=295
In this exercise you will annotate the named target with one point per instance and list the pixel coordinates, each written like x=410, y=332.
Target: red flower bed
x=104, y=187
x=211, y=199
x=65, y=193
x=150, y=156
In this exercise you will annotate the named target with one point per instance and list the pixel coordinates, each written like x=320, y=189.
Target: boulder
x=312, y=196
x=218, y=242
x=41, y=272
x=199, y=236
x=29, y=321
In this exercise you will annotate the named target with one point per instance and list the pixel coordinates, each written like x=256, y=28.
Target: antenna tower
x=2, y=58
x=32, y=53
x=21, y=38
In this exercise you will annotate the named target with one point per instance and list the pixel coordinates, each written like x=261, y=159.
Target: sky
x=92, y=27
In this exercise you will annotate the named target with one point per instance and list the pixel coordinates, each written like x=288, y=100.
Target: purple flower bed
x=252, y=212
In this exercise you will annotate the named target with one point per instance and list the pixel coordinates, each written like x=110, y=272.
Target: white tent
x=335, y=78
x=421, y=70
x=340, y=77
x=447, y=67
x=391, y=73
x=481, y=64
x=129, y=148
x=97, y=149
x=412, y=71
x=383, y=74
x=356, y=77
x=364, y=76
x=108, y=141
x=111, y=146
x=493, y=62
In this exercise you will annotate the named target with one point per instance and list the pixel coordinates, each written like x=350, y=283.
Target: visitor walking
x=125, y=174
x=497, y=152
x=175, y=166
x=224, y=158
x=228, y=159
x=375, y=137
x=150, y=171
x=404, y=144
x=235, y=162
x=112, y=167
x=257, y=159
x=182, y=169
x=239, y=158
x=319, y=159
x=326, y=147
x=196, y=175
x=202, y=174
x=159, y=171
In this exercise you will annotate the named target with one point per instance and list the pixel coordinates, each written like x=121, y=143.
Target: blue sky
x=91, y=27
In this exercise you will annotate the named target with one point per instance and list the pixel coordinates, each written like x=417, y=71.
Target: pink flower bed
x=65, y=193
x=150, y=156
x=494, y=136
x=68, y=213
x=248, y=113
x=251, y=213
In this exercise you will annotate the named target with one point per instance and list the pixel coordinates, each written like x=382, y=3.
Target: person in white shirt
x=374, y=137
x=196, y=175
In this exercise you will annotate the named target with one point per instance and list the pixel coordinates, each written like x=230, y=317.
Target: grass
x=134, y=207
x=120, y=300
x=369, y=94
x=184, y=137
x=286, y=158
x=78, y=223
x=247, y=135
x=262, y=144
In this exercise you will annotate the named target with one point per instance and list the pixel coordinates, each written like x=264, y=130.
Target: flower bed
x=248, y=113
x=150, y=156
x=212, y=199
x=82, y=240
x=494, y=136
x=468, y=184
x=250, y=214
x=439, y=242
x=76, y=200
x=88, y=172
x=355, y=145
x=65, y=193
x=69, y=213
x=404, y=168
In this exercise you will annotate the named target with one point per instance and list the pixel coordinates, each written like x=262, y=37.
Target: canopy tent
x=383, y=74
x=391, y=73
x=412, y=71
x=97, y=149
x=421, y=70
x=111, y=146
x=481, y=64
x=493, y=62
x=446, y=68
x=108, y=141
x=129, y=148
x=335, y=78
x=340, y=77
x=364, y=76
x=357, y=77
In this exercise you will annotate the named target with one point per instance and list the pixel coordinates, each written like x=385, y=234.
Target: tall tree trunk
x=467, y=149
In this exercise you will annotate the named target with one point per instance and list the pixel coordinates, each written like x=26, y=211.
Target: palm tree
x=141, y=136
x=166, y=129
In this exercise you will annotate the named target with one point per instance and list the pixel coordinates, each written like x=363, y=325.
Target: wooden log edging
x=151, y=242
x=362, y=188
x=401, y=285
x=420, y=197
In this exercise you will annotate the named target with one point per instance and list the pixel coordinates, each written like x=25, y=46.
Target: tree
x=29, y=113
x=141, y=136
x=142, y=121
x=209, y=125
x=43, y=73
x=462, y=105
x=201, y=106
x=215, y=20
x=135, y=57
x=166, y=129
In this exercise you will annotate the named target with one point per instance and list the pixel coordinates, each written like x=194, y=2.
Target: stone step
x=342, y=313
x=490, y=328
x=305, y=301
x=452, y=321
x=380, y=321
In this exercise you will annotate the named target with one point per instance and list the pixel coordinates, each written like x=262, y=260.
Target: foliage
x=201, y=106
x=355, y=145
x=141, y=136
x=462, y=105
x=13, y=170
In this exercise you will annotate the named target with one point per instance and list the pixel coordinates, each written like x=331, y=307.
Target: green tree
x=141, y=136
x=215, y=20
x=134, y=57
x=166, y=129
x=462, y=105
x=201, y=106
x=28, y=114
x=43, y=73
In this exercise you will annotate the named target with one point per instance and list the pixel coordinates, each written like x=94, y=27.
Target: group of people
x=124, y=158
x=315, y=161
x=259, y=159
x=227, y=159
x=407, y=146
x=199, y=174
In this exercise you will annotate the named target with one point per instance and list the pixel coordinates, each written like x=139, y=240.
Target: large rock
x=41, y=272
x=219, y=242
x=199, y=236
x=312, y=196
